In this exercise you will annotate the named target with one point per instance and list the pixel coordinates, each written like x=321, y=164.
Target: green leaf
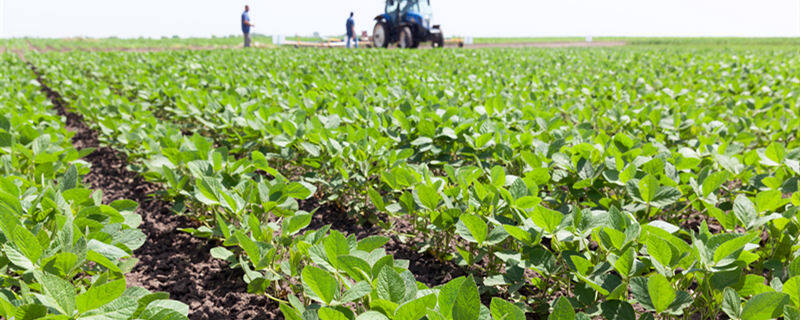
x=732, y=248
x=27, y=243
x=415, y=309
x=768, y=305
x=527, y=202
x=504, y=310
x=624, y=262
x=296, y=223
x=70, y=179
x=357, y=291
x=665, y=196
x=641, y=293
x=791, y=313
x=498, y=176
x=290, y=313
x=617, y=310
x=250, y=247
x=98, y=296
x=372, y=315
x=326, y=313
x=744, y=209
x=659, y=249
x=731, y=303
x=562, y=310
x=321, y=283
x=476, y=226
x=792, y=288
x=547, y=219
x=377, y=199
x=448, y=294
x=30, y=312
x=355, y=267
x=390, y=285
x=467, y=304
x=60, y=290
x=648, y=188
x=528, y=237
x=775, y=152
x=661, y=292
x=335, y=245
x=428, y=196
x=713, y=182
x=371, y=243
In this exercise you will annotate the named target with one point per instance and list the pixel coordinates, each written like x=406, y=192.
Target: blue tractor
x=407, y=23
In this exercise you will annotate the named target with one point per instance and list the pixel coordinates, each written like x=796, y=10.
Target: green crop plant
x=63, y=253
x=570, y=183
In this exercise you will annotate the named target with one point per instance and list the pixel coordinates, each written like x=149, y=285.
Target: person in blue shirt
x=351, y=31
x=246, y=24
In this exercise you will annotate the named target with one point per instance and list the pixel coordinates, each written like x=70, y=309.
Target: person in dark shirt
x=351, y=31
x=246, y=24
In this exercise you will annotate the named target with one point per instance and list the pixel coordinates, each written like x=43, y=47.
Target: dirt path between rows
x=170, y=260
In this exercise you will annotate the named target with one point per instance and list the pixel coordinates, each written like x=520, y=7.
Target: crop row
x=622, y=180
x=63, y=253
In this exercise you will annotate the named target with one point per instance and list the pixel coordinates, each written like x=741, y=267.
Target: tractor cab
x=407, y=23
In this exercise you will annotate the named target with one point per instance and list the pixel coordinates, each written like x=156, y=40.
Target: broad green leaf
x=428, y=196
x=730, y=249
x=467, y=304
x=768, y=305
x=326, y=313
x=448, y=294
x=547, y=219
x=476, y=226
x=371, y=243
x=562, y=310
x=731, y=303
x=505, y=310
x=98, y=296
x=415, y=309
x=321, y=283
x=792, y=288
x=390, y=285
x=624, y=262
x=357, y=291
x=60, y=290
x=661, y=292
x=296, y=223
x=498, y=176
x=372, y=315
x=744, y=210
x=775, y=152
x=659, y=249
x=617, y=310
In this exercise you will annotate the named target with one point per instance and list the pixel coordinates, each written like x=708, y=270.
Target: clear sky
x=156, y=18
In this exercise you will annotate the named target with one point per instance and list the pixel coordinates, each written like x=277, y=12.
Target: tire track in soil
x=170, y=260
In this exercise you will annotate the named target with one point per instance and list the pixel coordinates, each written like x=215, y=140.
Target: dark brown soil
x=170, y=260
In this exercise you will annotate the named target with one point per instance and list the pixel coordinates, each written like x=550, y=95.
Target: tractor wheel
x=406, y=39
x=380, y=35
x=438, y=41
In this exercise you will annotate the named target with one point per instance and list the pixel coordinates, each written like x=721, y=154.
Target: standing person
x=351, y=31
x=246, y=24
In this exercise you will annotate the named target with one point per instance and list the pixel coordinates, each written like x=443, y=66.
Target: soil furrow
x=170, y=260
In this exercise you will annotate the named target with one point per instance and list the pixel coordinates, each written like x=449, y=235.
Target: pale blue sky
x=155, y=18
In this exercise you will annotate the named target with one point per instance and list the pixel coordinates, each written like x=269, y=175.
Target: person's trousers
x=355, y=40
x=247, y=40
